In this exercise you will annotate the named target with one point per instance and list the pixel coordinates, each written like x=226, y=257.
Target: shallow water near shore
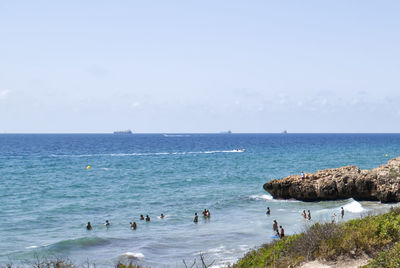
x=48, y=195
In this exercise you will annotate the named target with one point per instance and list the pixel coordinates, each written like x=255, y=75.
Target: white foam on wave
x=261, y=197
x=217, y=250
x=354, y=207
x=31, y=247
x=133, y=255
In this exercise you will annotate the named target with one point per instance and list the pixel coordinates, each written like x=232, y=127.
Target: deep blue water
x=47, y=194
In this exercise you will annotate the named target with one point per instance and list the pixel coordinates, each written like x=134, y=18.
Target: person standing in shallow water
x=282, y=233
x=309, y=215
x=304, y=214
x=196, y=218
x=141, y=217
x=88, y=226
x=277, y=233
x=342, y=212
x=275, y=226
x=268, y=211
x=147, y=218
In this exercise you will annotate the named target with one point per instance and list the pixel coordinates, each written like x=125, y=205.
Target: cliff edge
x=379, y=184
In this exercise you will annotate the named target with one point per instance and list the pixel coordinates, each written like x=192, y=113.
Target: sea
x=52, y=185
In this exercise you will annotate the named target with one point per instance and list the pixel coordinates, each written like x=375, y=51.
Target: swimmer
x=304, y=214
x=88, y=226
x=205, y=213
x=282, y=232
x=107, y=223
x=309, y=215
x=147, y=218
x=141, y=217
x=196, y=218
x=268, y=211
x=133, y=225
x=162, y=216
x=277, y=233
x=275, y=226
x=208, y=214
x=342, y=212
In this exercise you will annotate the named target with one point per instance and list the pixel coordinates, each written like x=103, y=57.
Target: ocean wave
x=147, y=154
x=260, y=197
x=132, y=255
x=83, y=242
x=354, y=207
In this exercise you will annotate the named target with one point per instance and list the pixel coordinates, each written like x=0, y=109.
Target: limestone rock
x=379, y=184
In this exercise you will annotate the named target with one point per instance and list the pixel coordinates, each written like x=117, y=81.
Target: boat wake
x=148, y=154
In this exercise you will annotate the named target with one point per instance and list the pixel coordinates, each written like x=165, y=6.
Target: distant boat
x=226, y=132
x=123, y=132
x=284, y=132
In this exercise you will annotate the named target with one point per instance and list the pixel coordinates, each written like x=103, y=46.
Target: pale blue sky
x=199, y=66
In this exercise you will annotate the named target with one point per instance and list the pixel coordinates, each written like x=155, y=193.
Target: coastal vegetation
x=375, y=236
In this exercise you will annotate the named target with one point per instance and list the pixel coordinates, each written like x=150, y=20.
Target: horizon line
x=184, y=133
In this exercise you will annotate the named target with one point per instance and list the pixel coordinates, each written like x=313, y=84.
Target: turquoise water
x=48, y=195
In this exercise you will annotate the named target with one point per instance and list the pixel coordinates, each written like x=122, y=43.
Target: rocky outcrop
x=379, y=184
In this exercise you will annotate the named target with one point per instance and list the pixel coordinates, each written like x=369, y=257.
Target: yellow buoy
x=88, y=167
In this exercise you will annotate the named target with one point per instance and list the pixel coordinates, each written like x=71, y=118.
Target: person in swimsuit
x=88, y=226
x=309, y=215
x=205, y=213
x=277, y=233
x=196, y=218
x=282, y=232
x=141, y=217
x=275, y=226
x=268, y=211
x=304, y=214
x=147, y=218
x=133, y=225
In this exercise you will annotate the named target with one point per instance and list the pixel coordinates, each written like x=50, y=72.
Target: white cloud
x=4, y=94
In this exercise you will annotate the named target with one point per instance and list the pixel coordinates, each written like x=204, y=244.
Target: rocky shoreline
x=378, y=184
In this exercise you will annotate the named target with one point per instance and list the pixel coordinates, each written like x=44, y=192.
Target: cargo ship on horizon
x=123, y=132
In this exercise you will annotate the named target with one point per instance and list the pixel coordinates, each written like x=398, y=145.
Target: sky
x=199, y=66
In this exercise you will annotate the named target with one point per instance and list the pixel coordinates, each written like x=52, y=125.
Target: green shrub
x=327, y=241
x=389, y=258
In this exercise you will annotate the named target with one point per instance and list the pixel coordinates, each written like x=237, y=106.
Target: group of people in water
x=280, y=232
x=206, y=215
x=133, y=225
x=307, y=215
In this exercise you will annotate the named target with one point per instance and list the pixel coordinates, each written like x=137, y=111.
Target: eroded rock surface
x=381, y=183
